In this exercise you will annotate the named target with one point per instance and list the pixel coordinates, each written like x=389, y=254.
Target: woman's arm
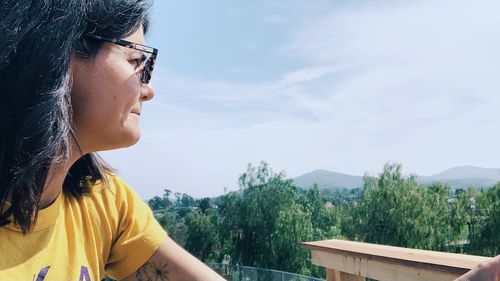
x=173, y=263
x=488, y=271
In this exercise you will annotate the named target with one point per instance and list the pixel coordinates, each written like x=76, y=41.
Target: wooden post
x=334, y=275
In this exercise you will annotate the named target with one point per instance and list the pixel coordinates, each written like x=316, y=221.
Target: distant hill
x=328, y=180
x=468, y=172
x=457, y=177
x=464, y=176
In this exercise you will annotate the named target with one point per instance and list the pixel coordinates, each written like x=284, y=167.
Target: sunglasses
x=151, y=54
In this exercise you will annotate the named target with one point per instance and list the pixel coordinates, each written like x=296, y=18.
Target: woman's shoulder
x=113, y=194
x=111, y=187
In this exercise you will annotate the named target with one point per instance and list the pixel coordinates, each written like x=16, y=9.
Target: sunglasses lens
x=148, y=70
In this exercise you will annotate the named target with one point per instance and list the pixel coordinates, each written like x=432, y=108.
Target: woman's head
x=49, y=63
x=107, y=94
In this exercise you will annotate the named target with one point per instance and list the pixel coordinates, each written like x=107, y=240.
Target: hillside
x=456, y=177
x=328, y=180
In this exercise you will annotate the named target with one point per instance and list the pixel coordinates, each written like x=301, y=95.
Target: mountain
x=328, y=180
x=464, y=176
x=468, y=172
x=457, y=177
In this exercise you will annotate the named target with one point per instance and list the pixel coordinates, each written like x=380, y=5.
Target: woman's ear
x=79, y=74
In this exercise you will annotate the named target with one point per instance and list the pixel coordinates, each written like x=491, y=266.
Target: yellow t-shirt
x=109, y=231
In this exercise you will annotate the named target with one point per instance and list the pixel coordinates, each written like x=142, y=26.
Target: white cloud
x=410, y=59
x=247, y=103
x=400, y=32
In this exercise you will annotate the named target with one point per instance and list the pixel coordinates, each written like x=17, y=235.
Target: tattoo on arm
x=152, y=271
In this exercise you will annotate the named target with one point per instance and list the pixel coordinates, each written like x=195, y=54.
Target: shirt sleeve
x=138, y=234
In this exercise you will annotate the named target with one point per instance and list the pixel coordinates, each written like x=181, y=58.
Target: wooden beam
x=376, y=269
x=387, y=263
x=334, y=275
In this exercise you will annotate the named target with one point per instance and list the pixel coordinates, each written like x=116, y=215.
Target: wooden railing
x=355, y=261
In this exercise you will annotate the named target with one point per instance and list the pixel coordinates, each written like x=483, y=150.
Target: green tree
x=166, y=198
x=485, y=222
x=293, y=226
x=264, y=224
x=343, y=196
x=323, y=214
x=156, y=203
x=175, y=228
x=203, y=235
x=204, y=204
x=187, y=201
x=159, y=203
x=395, y=210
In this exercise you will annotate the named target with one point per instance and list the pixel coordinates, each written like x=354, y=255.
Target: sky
x=345, y=86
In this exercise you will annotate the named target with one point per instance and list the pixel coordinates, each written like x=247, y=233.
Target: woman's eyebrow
x=132, y=53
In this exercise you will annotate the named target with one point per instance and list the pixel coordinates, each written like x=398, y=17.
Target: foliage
x=343, y=196
x=176, y=229
x=203, y=235
x=263, y=223
x=485, y=222
x=324, y=215
x=395, y=210
x=204, y=204
x=158, y=203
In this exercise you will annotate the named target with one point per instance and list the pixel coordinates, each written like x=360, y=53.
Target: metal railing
x=247, y=273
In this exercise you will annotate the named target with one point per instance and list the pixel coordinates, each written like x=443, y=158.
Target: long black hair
x=37, y=41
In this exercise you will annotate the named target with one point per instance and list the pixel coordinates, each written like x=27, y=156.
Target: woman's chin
x=124, y=141
x=112, y=139
x=132, y=138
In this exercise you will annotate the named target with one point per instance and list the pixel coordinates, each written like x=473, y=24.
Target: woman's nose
x=147, y=92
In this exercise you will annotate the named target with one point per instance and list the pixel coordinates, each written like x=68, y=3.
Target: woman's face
x=107, y=96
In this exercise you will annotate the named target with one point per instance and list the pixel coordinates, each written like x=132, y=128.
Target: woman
x=73, y=77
